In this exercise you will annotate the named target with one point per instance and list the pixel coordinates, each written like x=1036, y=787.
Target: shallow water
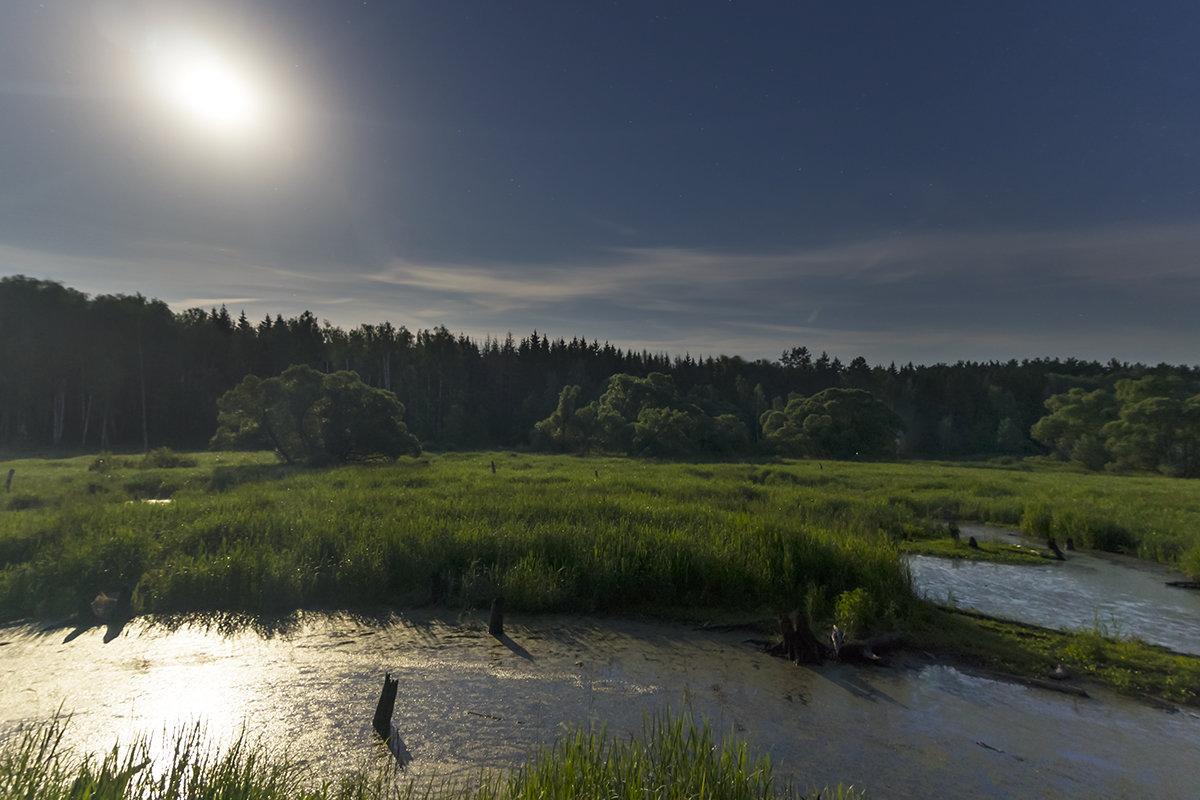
x=467, y=700
x=1120, y=596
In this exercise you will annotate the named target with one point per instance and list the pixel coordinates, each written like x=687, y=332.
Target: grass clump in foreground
x=674, y=758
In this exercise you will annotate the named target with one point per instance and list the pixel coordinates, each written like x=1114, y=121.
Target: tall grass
x=549, y=533
x=674, y=758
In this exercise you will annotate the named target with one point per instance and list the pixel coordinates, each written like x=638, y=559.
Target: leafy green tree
x=570, y=428
x=664, y=432
x=305, y=416
x=1157, y=427
x=834, y=423
x=1073, y=426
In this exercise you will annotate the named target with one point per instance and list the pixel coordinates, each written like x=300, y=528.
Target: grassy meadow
x=549, y=533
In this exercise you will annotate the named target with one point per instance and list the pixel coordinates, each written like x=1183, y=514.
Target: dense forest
x=123, y=372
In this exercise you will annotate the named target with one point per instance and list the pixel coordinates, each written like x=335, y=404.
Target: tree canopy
x=306, y=416
x=1149, y=424
x=834, y=423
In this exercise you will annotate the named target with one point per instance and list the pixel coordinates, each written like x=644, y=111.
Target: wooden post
x=496, y=621
x=493, y=467
x=8, y=483
x=382, y=723
x=788, y=631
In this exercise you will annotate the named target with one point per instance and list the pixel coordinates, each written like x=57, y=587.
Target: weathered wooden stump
x=382, y=723
x=496, y=620
x=799, y=643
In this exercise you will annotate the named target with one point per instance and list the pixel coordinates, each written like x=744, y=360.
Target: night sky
x=926, y=181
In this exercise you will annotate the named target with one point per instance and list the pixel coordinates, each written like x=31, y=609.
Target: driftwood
x=1184, y=584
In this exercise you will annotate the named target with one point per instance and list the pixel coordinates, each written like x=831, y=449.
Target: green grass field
x=242, y=532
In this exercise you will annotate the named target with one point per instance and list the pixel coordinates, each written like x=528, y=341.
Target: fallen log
x=868, y=649
x=1184, y=584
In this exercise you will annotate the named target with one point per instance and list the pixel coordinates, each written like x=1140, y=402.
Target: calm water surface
x=467, y=700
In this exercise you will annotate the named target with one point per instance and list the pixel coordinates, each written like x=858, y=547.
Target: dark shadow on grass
x=225, y=478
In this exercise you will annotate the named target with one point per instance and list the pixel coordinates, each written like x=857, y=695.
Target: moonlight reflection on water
x=468, y=700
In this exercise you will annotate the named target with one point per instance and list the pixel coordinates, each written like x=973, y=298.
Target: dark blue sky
x=925, y=181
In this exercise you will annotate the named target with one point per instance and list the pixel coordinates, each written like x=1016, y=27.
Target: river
x=1117, y=595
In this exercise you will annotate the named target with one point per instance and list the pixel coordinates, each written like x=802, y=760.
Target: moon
x=204, y=87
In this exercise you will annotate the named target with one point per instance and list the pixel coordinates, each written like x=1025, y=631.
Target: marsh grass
x=551, y=533
x=675, y=757
x=1130, y=666
x=996, y=552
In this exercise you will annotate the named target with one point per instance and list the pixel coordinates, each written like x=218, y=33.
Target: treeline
x=81, y=373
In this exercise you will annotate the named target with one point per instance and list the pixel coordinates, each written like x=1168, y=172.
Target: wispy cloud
x=1108, y=256
x=1125, y=291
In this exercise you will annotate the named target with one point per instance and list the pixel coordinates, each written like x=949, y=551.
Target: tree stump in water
x=382, y=723
x=496, y=621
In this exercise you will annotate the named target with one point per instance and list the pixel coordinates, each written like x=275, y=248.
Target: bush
x=854, y=613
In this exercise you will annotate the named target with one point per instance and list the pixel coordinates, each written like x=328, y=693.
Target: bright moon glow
x=204, y=86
